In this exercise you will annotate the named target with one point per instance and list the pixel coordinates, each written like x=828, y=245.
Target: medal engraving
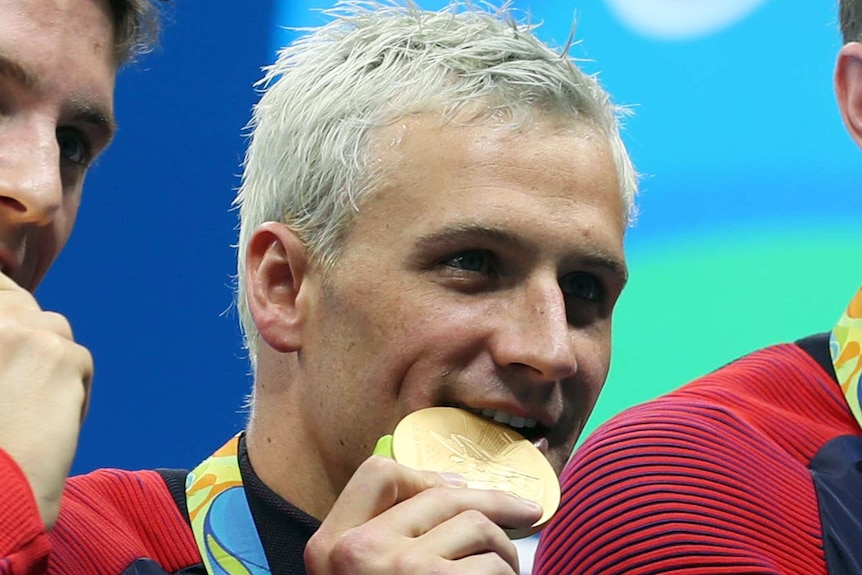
x=487, y=454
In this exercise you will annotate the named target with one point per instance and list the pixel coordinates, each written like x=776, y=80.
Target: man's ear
x=848, y=88
x=276, y=266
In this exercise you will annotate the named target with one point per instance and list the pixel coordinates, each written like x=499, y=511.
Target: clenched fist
x=44, y=391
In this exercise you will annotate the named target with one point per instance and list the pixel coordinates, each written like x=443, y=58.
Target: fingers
x=468, y=543
x=429, y=508
x=40, y=368
x=25, y=326
x=45, y=383
x=457, y=523
x=377, y=485
x=469, y=534
x=18, y=305
x=392, y=519
x=380, y=483
x=486, y=563
x=24, y=321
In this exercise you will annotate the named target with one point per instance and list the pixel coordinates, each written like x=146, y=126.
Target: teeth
x=506, y=418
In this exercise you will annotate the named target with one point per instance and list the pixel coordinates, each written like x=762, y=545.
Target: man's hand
x=393, y=520
x=44, y=390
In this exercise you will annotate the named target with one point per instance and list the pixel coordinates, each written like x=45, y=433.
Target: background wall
x=145, y=279
x=749, y=210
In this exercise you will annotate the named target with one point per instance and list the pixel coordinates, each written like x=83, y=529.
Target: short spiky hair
x=849, y=19
x=136, y=28
x=307, y=163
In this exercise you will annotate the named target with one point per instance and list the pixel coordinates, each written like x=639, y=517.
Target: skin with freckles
x=57, y=73
x=482, y=273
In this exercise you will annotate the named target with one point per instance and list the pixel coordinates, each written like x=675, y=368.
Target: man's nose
x=31, y=186
x=535, y=333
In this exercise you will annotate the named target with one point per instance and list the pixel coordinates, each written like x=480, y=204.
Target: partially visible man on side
x=432, y=214
x=754, y=468
x=58, y=61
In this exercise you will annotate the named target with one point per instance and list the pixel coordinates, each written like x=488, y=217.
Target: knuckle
x=47, y=332
x=59, y=323
x=477, y=520
x=53, y=344
x=314, y=551
x=9, y=331
x=85, y=357
x=483, y=529
x=353, y=547
x=12, y=325
x=352, y=544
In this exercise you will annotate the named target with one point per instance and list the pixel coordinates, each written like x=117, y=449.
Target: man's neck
x=278, y=453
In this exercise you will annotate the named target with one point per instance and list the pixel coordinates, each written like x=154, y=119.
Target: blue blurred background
x=748, y=232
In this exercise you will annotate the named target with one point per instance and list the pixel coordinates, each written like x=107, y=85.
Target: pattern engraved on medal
x=483, y=469
x=487, y=454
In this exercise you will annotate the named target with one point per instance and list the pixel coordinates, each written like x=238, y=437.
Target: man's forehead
x=524, y=187
x=62, y=50
x=415, y=138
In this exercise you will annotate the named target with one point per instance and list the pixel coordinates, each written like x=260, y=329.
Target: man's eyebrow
x=81, y=110
x=98, y=117
x=612, y=265
x=466, y=231
x=17, y=72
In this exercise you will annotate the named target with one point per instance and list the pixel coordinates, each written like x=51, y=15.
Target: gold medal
x=487, y=454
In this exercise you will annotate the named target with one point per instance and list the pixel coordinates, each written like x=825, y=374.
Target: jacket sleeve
x=24, y=543
x=686, y=488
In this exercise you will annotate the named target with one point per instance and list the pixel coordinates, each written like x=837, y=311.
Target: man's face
x=56, y=114
x=481, y=275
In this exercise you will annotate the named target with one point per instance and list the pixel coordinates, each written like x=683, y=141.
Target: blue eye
x=582, y=285
x=479, y=261
x=73, y=146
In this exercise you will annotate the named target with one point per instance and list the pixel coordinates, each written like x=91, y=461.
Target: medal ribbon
x=845, y=345
x=221, y=518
